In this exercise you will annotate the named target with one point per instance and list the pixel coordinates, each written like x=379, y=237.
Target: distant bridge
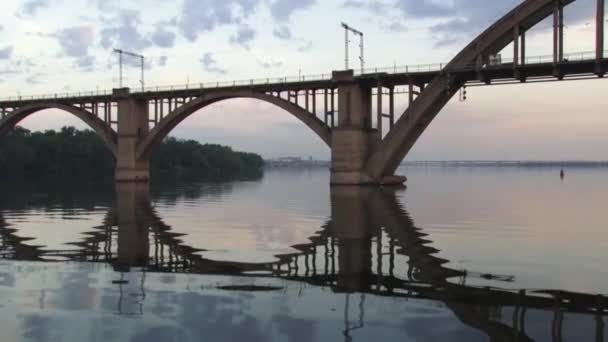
x=336, y=106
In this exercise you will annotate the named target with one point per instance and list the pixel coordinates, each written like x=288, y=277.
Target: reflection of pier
x=370, y=245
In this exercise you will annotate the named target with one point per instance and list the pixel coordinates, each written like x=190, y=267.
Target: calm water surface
x=463, y=254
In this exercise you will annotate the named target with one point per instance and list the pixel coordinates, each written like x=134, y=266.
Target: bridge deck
x=388, y=76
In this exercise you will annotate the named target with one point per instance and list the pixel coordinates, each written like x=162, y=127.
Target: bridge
x=336, y=106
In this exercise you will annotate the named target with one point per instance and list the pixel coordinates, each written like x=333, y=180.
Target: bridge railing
x=237, y=83
x=568, y=57
x=419, y=68
x=60, y=95
x=434, y=67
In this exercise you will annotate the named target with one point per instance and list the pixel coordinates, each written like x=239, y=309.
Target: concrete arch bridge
x=337, y=107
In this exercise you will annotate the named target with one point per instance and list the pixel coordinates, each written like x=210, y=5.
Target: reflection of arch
x=173, y=119
x=14, y=246
x=410, y=126
x=139, y=229
x=103, y=130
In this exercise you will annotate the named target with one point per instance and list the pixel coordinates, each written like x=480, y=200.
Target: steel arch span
x=103, y=130
x=168, y=123
x=391, y=151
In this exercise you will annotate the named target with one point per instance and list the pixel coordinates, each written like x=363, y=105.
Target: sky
x=51, y=46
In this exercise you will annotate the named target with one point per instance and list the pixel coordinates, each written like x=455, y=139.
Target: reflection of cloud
x=296, y=330
x=7, y=279
x=37, y=328
x=162, y=333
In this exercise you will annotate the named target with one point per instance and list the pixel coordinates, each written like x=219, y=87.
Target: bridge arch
x=103, y=130
x=387, y=156
x=165, y=126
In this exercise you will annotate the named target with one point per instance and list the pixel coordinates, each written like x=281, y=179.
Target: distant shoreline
x=305, y=164
x=509, y=163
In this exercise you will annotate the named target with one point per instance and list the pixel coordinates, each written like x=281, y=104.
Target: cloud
x=282, y=32
x=76, y=41
x=163, y=38
x=6, y=52
x=30, y=7
x=270, y=65
x=283, y=9
x=122, y=31
x=24, y=63
x=243, y=36
x=162, y=61
x=33, y=79
x=469, y=17
x=86, y=63
x=198, y=16
x=395, y=27
x=374, y=6
x=461, y=19
x=211, y=65
x=435, y=9
x=306, y=47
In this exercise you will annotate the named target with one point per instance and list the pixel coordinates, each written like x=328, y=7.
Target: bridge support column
x=132, y=128
x=354, y=139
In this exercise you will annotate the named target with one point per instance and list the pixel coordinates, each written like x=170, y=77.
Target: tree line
x=72, y=154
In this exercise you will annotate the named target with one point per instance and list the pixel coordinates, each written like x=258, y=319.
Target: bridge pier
x=132, y=128
x=353, y=139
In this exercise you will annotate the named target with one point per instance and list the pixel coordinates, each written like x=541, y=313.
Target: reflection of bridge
x=377, y=251
x=362, y=153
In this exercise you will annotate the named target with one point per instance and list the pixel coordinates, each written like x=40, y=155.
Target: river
x=462, y=254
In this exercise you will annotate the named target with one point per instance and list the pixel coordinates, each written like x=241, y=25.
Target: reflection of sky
x=52, y=308
x=78, y=302
x=520, y=222
x=256, y=221
x=53, y=228
x=516, y=221
x=477, y=218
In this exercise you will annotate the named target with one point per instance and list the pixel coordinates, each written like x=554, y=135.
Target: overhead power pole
x=599, y=28
x=120, y=61
x=348, y=29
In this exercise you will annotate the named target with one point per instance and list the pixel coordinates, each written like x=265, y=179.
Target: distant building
x=296, y=162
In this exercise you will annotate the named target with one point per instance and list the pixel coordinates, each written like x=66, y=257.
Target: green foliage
x=66, y=154
x=188, y=159
x=72, y=154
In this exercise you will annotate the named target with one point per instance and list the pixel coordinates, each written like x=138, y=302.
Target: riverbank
x=79, y=155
